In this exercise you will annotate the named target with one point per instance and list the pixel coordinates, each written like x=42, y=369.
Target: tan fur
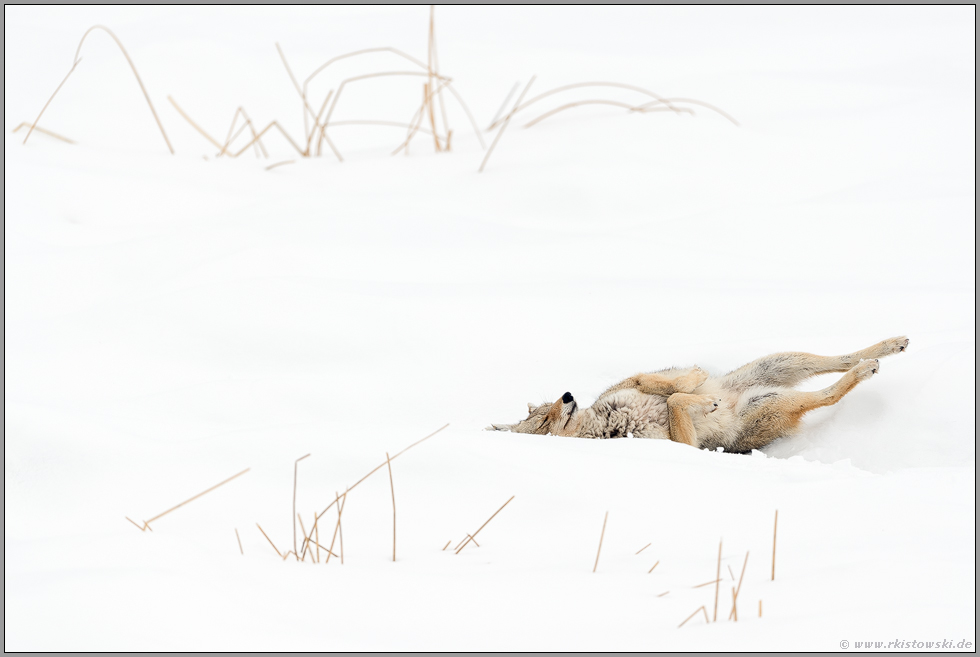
x=746, y=409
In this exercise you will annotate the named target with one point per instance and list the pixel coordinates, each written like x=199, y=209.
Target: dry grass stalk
x=394, y=528
x=434, y=68
x=306, y=106
x=657, y=99
x=738, y=589
x=231, y=138
x=340, y=525
x=279, y=164
x=643, y=548
x=774, y=525
x=717, y=584
x=239, y=542
x=417, y=442
x=734, y=614
x=461, y=541
x=692, y=101
x=429, y=87
x=57, y=89
x=248, y=124
x=142, y=527
x=147, y=522
x=268, y=539
x=714, y=581
x=131, y=65
x=416, y=122
x=316, y=529
x=394, y=124
x=320, y=547
x=286, y=556
x=614, y=103
x=432, y=116
x=601, y=536
x=731, y=573
x=473, y=537
x=194, y=125
x=652, y=567
x=264, y=130
x=306, y=537
x=446, y=545
x=500, y=111
x=663, y=594
x=336, y=529
x=318, y=129
x=701, y=608
x=295, y=477
x=506, y=122
x=760, y=608
x=43, y=131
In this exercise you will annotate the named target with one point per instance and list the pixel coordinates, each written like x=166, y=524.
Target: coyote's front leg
x=679, y=408
x=661, y=384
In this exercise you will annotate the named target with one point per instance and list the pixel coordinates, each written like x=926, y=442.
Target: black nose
x=567, y=398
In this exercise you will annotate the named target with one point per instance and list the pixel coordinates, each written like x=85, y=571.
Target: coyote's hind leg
x=772, y=415
x=790, y=368
x=680, y=424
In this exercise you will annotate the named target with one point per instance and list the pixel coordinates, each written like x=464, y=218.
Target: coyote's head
x=551, y=418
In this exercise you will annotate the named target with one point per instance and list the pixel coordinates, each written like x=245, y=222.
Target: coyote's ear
x=531, y=407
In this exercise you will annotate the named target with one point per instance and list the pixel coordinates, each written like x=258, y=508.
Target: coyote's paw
x=893, y=346
x=866, y=369
x=691, y=380
x=710, y=405
x=704, y=403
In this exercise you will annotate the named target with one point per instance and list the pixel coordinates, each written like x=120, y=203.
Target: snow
x=171, y=320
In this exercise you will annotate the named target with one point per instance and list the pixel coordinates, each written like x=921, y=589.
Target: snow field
x=173, y=320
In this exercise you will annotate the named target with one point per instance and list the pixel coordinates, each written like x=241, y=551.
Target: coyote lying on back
x=744, y=410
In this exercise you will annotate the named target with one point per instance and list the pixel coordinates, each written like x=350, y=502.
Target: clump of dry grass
x=431, y=111
x=432, y=94
x=311, y=538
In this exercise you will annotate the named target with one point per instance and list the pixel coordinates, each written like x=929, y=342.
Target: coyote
x=746, y=409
